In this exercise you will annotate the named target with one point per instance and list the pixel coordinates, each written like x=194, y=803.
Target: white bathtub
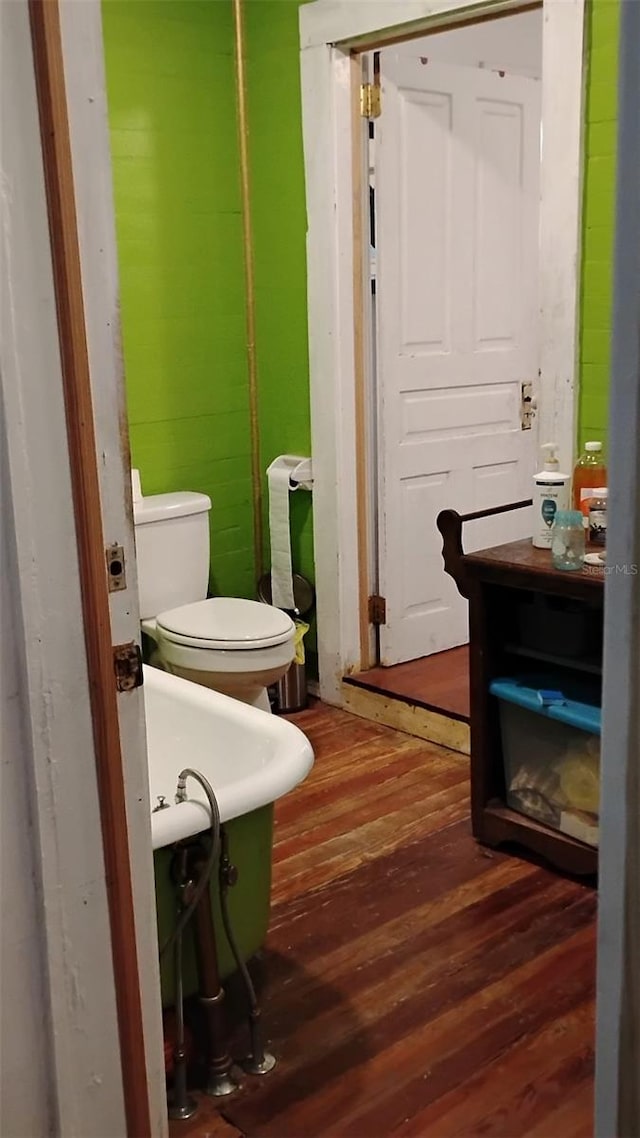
x=250, y=758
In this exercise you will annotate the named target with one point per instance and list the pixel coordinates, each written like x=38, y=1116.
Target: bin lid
x=581, y=700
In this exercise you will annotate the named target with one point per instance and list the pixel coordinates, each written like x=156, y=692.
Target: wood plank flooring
x=417, y=985
x=437, y=683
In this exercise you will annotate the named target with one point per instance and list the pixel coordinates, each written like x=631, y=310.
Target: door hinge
x=377, y=610
x=370, y=100
x=127, y=665
x=527, y=406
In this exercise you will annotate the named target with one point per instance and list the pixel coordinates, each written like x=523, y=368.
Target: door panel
x=498, y=226
x=457, y=239
x=426, y=221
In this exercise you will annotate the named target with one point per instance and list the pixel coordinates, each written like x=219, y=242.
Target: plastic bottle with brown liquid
x=590, y=474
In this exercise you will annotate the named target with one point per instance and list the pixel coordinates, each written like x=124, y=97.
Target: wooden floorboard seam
x=417, y=985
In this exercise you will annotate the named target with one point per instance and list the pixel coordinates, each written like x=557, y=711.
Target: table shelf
x=591, y=665
x=497, y=582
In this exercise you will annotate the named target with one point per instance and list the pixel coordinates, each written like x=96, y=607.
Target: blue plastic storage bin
x=551, y=751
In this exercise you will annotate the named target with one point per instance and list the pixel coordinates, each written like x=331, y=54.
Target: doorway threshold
x=427, y=697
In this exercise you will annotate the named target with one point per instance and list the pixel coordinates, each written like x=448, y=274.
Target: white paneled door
x=457, y=199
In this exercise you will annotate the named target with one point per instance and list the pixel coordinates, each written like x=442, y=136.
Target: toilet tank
x=172, y=550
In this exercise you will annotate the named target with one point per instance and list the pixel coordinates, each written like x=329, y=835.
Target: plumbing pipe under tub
x=218, y=1081
x=195, y=865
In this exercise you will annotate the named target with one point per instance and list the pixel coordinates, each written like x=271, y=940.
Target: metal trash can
x=291, y=690
x=303, y=593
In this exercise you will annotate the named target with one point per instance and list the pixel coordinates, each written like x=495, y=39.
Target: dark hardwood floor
x=437, y=683
x=417, y=985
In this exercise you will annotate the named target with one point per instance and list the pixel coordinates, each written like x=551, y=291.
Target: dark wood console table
x=523, y=614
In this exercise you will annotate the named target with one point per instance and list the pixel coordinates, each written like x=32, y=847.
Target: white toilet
x=232, y=645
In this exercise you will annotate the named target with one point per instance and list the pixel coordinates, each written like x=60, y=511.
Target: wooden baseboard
x=408, y=717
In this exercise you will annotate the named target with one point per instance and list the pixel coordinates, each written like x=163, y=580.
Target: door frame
x=86, y=95
x=333, y=35
x=617, y=1089
x=84, y=753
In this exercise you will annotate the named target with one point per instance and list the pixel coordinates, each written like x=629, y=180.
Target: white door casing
x=85, y=80
x=58, y=868
x=457, y=173
x=327, y=32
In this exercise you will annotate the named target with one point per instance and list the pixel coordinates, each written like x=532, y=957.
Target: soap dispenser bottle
x=551, y=493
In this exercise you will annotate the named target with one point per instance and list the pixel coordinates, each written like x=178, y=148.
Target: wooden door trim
x=361, y=329
x=56, y=153
x=495, y=12
x=383, y=23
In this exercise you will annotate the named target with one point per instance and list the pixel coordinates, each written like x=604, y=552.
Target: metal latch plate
x=527, y=406
x=116, y=576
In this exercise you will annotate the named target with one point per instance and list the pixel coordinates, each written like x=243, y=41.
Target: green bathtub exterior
x=250, y=846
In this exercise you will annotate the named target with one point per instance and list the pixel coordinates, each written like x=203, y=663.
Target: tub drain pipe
x=219, y=1080
x=181, y=1104
x=194, y=869
x=259, y=1061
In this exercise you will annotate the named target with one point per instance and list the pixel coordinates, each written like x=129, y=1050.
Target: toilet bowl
x=232, y=645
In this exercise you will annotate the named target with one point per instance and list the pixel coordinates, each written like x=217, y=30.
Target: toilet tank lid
x=163, y=507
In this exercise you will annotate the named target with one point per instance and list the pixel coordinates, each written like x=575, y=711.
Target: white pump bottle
x=550, y=494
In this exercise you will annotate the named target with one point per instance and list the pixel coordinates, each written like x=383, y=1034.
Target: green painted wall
x=598, y=217
x=171, y=93
x=175, y=162
x=279, y=229
x=172, y=118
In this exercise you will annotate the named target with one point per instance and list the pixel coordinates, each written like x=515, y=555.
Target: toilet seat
x=226, y=624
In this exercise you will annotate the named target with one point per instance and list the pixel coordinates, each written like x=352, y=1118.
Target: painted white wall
x=512, y=44
x=617, y=1087
x=54, y=888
